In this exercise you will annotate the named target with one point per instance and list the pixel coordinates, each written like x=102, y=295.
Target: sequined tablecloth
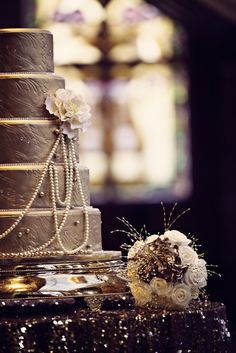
x=66, y=327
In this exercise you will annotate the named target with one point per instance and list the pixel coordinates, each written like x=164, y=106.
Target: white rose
x=201, y=263
x=175, y=237
x=142, y=292
x=135, y=248
x=160, y=286
x=187, y=255
x=181, y=295
x=151, y=238
x=196, y=275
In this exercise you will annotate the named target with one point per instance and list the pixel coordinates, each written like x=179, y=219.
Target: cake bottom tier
x=37, y=228
x=201, y=329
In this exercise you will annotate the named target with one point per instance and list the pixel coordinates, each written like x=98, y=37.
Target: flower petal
x=66, y=129
x=50, y=105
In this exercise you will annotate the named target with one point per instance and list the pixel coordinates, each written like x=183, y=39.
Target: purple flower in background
x=71, y=17
x=141, y=13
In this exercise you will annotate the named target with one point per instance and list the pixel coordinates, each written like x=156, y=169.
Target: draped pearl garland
x=70, y=167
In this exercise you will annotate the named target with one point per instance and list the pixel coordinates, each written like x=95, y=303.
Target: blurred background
x=161, y=79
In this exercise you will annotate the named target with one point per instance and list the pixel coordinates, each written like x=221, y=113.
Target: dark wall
x=213, y=82
x=10, y=13
x=212, y=70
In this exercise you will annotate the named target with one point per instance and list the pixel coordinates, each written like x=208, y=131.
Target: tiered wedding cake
x=44, y=193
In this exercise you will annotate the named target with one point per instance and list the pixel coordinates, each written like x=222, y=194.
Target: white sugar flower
x=196, y=275
x=181, y=295
x=135, y=248
x=187, y=255
x=175, y=237
x=151, y=238
x=71, y=109
x=160, y=286
x=142, y=292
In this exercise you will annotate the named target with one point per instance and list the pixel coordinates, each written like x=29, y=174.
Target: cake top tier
x=26, y=50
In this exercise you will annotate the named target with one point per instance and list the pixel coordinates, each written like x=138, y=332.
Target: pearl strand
x=59, y=201
x=69, y=180
x=85, y=209
x=72, y=163
x=68, y=203
x=38, y=250
x=67, y=251
x=23, y=213
x=32, y=254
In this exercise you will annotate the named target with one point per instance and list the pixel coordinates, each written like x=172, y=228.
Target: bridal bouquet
x=164, y=270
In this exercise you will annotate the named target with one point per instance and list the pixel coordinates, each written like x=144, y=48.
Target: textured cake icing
x=32, y=154
x=17, y=194
x=23, y=95
x=23, y=50
x=27, y=141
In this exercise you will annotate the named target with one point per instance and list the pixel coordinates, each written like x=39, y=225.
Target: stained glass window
x=126, y=58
